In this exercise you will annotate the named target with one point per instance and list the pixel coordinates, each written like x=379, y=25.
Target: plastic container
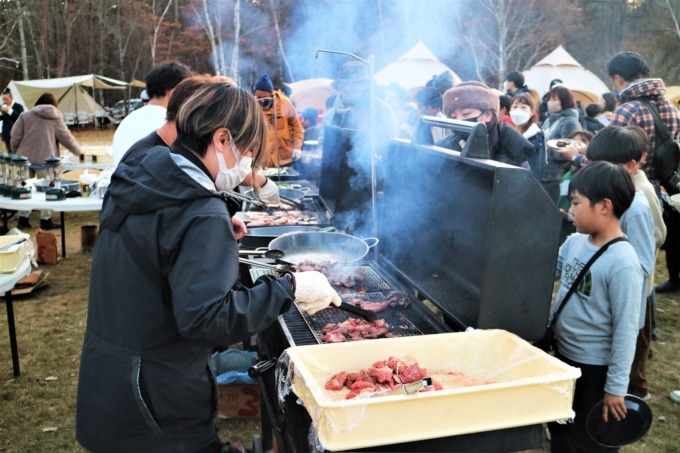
x=525, y=387
x=11, y=258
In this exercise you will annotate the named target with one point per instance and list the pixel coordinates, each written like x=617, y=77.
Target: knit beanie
x=264, y=83
x=470, y=94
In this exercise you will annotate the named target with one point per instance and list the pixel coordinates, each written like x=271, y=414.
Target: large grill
x=472, y=241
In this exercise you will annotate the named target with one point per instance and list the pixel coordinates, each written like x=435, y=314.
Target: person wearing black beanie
x=285, y=141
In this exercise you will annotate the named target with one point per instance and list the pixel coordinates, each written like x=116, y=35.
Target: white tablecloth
x=93, y=203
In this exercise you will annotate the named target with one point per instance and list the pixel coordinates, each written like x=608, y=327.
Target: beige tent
x=69, y=91
x=413, y=69
x=673, y=95
x=311, y=93
x=559, y=64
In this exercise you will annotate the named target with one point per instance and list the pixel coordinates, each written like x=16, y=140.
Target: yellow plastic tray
x=527, y=387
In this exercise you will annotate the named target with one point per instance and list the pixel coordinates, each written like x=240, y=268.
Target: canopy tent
x=673, y=95
x=311, y=93
x=559, y=64
x=69, y=91
x=414, y=69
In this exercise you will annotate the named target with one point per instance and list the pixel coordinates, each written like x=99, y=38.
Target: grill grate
x=399, y=324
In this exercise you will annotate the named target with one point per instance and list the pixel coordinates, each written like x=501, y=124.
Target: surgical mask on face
x=519, y=116
x=229, y=178
x=554, y=106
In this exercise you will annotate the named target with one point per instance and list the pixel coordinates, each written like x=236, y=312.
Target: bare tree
x=280, y=41
x=237, y=35
x=157, y=26
x=672, y=7
x=502, y=34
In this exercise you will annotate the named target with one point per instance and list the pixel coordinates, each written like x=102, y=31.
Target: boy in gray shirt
x=597, y=329
x=626, y=146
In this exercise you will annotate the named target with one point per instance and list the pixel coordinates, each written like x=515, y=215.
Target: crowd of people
x=199, y=137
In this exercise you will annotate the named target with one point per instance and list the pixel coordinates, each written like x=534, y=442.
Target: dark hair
x=164, y=77
x=506, y=101
x=7, y=91
x=593, y=110
x=629, y=65
x=603, y=180
x=610, y=101
x=429, y=97
x=585, y=134
x=564, y=95
x=46, y=99
x=222, y=104
x=182, y=91
x=515, y=77
x=618, y=144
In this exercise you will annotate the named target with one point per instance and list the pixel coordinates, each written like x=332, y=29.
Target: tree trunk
x=22, y=41
x=237, y=34
x=156, y=28
x=278, y=37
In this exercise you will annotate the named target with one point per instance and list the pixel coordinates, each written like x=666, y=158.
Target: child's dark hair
x=618, y=144
x=602, y=180
x=582, y=134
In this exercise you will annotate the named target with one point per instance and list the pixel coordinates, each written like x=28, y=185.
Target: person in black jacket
x=9, y=114
x=475, y=102
x=164, y=289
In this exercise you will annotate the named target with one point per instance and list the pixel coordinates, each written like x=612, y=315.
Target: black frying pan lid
x=618, y=433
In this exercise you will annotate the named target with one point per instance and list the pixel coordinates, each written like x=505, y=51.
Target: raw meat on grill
x=370, y=306
x=381, y=376
x=354, y=329
x=394, y=299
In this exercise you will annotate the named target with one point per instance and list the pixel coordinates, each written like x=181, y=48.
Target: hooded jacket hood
x=141, y=186
x=652, y=88
x=47, y=111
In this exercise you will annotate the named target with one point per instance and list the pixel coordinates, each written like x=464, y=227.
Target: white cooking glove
x=297, y=154
x=269, y=193
x=313, y=292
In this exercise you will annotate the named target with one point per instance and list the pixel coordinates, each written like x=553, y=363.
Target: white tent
x=69, y=91
x=413, y=69
x=311, y=93
x=558, y=64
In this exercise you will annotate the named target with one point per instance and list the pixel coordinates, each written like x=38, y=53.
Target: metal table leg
x=12, y=333
x=4, y=221
x=63, y=235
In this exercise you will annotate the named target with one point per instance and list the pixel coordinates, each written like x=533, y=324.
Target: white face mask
x=554, y=106
x=230, y=178
x=519, y=116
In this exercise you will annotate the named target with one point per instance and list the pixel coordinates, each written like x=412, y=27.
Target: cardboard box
x=47, y=247
x=238, y=401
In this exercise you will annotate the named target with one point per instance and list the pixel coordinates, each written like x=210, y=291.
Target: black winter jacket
x=144, y=382
x=505, y=144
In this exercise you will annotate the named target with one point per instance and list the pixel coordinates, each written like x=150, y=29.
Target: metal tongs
x=240, y=197
x=409, y=389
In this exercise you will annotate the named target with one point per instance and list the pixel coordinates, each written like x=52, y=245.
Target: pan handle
x=371, y=242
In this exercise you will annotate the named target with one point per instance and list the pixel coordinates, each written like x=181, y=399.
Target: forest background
x=478, y=39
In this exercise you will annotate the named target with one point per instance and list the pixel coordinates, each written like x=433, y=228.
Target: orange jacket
x=285, y=129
